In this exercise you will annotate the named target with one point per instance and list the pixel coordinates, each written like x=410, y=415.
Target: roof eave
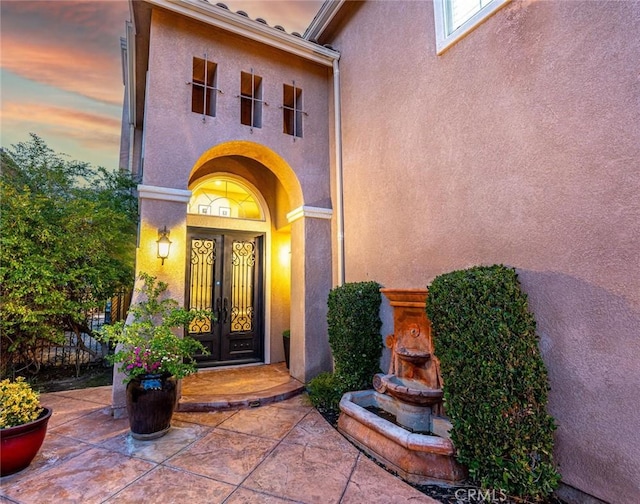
x=246, y=27
x=322, y=19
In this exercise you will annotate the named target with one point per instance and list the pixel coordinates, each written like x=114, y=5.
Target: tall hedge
x=495, y=382
x=354, y=332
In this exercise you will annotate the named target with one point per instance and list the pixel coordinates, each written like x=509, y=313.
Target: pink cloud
x=73, y=46
x=292, y=15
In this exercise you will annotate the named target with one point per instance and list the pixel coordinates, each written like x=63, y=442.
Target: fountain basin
x=416, y=357
x=417, y=458
x=407, y=389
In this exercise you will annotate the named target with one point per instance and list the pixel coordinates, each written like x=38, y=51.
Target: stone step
x=238, y=387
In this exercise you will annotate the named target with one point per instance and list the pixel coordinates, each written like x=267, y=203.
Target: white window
x=455, y=18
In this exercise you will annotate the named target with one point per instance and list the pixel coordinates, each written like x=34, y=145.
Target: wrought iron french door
x=225, y=275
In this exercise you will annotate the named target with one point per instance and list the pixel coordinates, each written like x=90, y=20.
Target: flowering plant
x=147, y=344
x=19, y=403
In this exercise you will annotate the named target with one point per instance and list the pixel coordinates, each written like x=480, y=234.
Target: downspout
x=338, y=146
x=131, y=90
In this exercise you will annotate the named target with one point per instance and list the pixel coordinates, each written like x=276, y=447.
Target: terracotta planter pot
x=19, y=445
x=151, y=400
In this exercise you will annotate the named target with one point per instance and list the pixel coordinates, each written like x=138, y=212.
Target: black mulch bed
x=58, y=378
x=465, y=492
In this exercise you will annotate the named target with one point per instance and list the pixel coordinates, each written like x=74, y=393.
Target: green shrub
x=495, y=382
x=354, y=333
x=325, y=392
x=356, y=344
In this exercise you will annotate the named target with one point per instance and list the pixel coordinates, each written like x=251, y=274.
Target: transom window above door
x=224, y=197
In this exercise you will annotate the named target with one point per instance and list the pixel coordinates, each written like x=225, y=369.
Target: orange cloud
x=91, y=130
x=95, y=76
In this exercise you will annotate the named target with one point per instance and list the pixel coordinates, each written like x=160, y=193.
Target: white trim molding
x=447, y=36
x=164, y=193
x=310, y=212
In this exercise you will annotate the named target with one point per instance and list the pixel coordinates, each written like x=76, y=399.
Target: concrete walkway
x=281, y=452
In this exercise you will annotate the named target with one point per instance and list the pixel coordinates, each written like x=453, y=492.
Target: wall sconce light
x=164, y=243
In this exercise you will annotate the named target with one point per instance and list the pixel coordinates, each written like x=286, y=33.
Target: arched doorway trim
x=286, y=177
x=267, y=157
x=310, y=270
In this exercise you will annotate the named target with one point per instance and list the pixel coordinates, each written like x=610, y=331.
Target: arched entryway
x=298, y=248
x=228, y=236
x=297, y=245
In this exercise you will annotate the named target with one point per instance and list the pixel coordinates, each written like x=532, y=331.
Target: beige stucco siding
x=518, y=145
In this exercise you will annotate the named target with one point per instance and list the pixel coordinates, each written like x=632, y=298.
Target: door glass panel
x=203, y=256
x=243, y=270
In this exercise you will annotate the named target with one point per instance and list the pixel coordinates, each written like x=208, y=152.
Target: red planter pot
x=19, y=445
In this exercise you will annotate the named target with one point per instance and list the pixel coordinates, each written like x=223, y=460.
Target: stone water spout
x=414, y=372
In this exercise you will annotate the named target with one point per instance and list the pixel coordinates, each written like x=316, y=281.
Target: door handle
x=225, y=310
x=218, y=309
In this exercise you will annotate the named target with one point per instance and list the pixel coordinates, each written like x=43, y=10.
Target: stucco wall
x=175, y=137
x=518, y=145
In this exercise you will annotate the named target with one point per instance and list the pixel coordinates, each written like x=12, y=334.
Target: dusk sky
x=61, y=74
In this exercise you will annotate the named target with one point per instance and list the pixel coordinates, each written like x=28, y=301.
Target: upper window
x=292, y=110
x=203, y=87
x=251, y=99
x=455, y=18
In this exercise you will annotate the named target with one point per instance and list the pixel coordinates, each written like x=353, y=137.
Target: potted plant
x=286, y=342
x=153, y=357
x=23, y=425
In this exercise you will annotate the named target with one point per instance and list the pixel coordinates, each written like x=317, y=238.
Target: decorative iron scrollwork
x=203, y=256
x=243, y=270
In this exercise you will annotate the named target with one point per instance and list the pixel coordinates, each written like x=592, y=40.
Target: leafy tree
x=67, y=243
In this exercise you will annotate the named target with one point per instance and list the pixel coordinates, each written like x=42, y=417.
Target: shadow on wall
x=590, y=342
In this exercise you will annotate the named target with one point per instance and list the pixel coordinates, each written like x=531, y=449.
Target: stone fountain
x=417, y=444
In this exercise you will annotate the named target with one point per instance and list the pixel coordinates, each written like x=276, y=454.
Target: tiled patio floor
x=279, y=453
